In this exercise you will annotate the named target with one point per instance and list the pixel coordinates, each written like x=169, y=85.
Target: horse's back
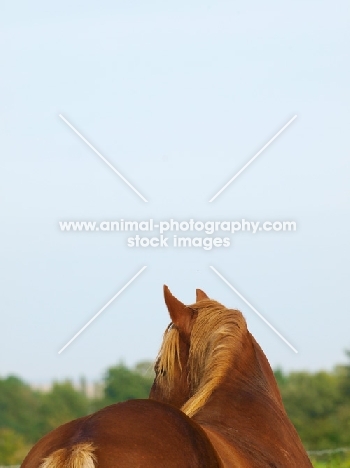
x=137, y=433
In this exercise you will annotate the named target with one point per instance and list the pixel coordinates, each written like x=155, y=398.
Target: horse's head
x=198, y=347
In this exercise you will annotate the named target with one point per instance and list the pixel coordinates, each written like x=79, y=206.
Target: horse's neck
x=247, y=408
x=266, y=370
x=248, y=384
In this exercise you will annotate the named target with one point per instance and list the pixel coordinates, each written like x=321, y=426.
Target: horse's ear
x=200, y=295
x=180, y=314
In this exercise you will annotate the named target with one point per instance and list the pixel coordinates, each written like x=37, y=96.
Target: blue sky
x=178, y=97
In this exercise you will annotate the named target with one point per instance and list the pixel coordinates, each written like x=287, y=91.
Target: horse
x=211, y=367
x=214, y=403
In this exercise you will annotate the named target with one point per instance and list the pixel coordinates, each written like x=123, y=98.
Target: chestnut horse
x=211, y=367
x=214, y=403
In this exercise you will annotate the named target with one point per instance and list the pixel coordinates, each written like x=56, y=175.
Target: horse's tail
x=78, y=456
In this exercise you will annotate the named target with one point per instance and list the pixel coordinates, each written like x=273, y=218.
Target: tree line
x=317, y=403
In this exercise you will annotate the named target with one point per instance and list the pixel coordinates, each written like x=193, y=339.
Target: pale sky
x=178, y=96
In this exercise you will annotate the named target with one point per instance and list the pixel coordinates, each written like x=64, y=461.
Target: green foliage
x=319, y=406
x=336, y=460
x=123, y=384
x=18, y=406
x=345, y=381
x=60, y=405
x=312, y=400
x=12, y=447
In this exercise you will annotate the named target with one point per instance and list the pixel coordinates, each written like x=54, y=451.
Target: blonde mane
x=168, y=357
x=217, y=336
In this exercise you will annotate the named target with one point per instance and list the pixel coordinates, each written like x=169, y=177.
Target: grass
x=335, y=461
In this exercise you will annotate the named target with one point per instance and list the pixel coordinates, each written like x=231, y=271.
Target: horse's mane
x=169, y=356
x=217, y=336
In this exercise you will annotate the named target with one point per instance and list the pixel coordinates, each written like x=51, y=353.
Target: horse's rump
x=137, y=433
